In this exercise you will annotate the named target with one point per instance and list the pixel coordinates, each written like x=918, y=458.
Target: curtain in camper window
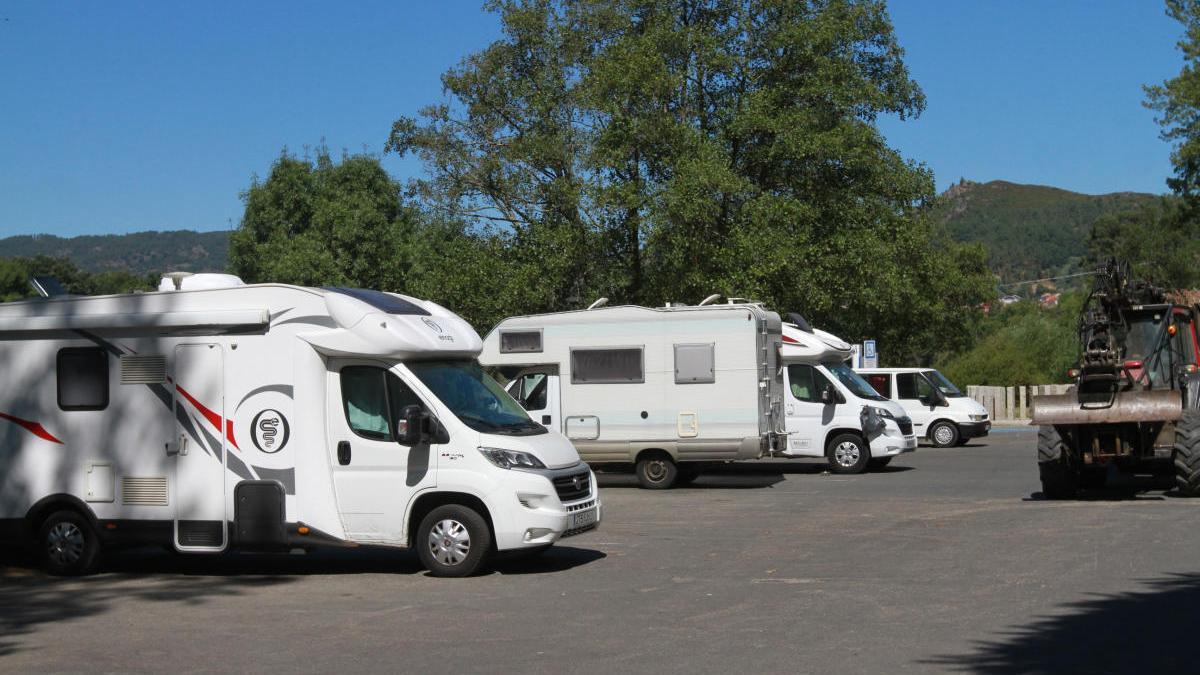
x=363, y=391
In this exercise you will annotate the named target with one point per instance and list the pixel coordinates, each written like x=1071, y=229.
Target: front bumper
x=974, y=429
x=892, y=441
x=537, y=517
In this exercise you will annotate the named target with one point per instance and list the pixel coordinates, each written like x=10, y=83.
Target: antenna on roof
x=600, y=302
x=710, y=299
x=47, y=286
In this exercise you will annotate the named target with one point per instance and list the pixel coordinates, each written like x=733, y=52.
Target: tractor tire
x=1060, y=480
x=1186, y=454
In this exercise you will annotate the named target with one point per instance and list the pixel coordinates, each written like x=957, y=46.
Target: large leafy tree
x=1177, y=102
x=321, y=222
x=661, y=150
x=1161, y=241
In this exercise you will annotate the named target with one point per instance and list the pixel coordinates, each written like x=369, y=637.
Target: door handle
x=344, y=453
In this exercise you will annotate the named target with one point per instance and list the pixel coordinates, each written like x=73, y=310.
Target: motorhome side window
x=82, y=378
x=607, y=366
x=373, y=399
x=806, y=383
x=913, y=386
x=512, y=342
x=533, y=391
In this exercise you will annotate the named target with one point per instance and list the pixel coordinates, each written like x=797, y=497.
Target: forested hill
x=1029, y=230
x=139, y=252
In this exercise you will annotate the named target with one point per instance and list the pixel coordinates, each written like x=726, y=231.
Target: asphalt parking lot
x=946, y=561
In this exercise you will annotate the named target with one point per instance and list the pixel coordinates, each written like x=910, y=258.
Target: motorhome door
x=373, y=474
x=537, y=392
x=199, y=448
x=807, y=417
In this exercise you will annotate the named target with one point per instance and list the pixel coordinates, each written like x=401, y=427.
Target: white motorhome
x=270, y=417
x=831, y=411
x=666, y=389
x=940, y=412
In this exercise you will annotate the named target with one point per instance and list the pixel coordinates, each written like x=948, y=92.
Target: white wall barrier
x=1012, y=403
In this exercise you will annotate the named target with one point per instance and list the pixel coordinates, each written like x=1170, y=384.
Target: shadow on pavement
x=745, y=475
x=1148, y=631
x=29, y=597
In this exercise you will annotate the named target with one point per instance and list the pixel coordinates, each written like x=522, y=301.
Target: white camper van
x=831, y=411
x=269, y=417
x=940, y=412
x=666, y=389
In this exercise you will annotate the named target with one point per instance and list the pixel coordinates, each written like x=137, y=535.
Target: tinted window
x=906, y=385
x=881, y=383
x=607, y=366
x=520, y=341
x=474, y=397
x=383, y=302
x=82, y=379
x=533, y=391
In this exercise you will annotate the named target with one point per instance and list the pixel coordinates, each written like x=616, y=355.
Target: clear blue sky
x=119, y=116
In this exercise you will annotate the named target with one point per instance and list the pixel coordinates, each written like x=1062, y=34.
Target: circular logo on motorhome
x=271, y=431
x=432, y=324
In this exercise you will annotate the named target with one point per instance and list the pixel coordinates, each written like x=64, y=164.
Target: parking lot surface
x=948, y=560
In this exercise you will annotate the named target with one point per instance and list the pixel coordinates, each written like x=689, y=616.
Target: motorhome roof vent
x=186, y=281
x=600, y=302
x=710, y=299
x=47, y=286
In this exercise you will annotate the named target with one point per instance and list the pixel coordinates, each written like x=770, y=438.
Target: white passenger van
x=940, y=412
x=666, y=389
x=268, y=418
x=831, y=411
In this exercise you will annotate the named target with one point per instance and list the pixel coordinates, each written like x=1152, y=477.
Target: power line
x=1034, y=281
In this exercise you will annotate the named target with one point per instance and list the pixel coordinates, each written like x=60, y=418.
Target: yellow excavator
x=1135, y=404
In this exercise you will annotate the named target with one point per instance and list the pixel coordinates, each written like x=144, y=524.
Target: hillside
x=139, y=252
x=1029, y=230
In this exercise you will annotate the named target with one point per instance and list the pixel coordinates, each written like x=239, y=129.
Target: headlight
x=884, y=413
x=512, y=459
x=979, y=418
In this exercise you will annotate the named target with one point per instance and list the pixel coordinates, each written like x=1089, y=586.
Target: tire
x=878, y=462
x=1186, y=454
x=453, y=541
x=848, y=453
x=1060, y=480
x=68, y=545
x=656, y=472
x=943, y=434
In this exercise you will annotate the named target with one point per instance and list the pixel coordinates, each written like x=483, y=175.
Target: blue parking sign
x=869, y=349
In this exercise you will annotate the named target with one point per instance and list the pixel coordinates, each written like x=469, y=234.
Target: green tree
x=1161, y=242
x=662, y=150
x=15, y=274
x=320, y=222
x=1177, y=102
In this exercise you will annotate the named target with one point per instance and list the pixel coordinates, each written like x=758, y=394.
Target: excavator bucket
x=1130, y=406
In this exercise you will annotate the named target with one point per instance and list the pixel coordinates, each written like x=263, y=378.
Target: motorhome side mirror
x=828, y=395
x=410, y=428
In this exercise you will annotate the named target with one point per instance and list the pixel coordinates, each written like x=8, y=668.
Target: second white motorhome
x=270, y=417
x=831, y=411
x=666, y=389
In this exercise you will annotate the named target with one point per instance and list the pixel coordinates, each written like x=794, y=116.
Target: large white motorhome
x=666, y=389
x=831, y=411
x=270, y=417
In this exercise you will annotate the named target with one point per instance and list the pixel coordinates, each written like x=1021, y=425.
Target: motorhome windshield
x=854, y=383
x=474, y=397
x=944, y=385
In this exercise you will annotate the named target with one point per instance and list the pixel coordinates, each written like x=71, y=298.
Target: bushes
x=1020, y=344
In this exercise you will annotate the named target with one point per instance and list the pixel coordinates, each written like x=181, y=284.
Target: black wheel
x=879, y=462
x=1060, y=480
x=686, y=475
x=1187, y=454
x=657, y=472
x=943, y=434
x=453, y=541
x=847, y=453
x=68, y=544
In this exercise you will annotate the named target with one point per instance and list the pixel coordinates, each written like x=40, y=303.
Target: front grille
x=905, y=425
x=573, y=487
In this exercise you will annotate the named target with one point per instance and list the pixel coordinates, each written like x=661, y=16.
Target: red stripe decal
x=32, y=427
x=212, y=417
x=790, y=341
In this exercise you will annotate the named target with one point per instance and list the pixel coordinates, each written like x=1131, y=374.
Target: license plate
x=583, y=519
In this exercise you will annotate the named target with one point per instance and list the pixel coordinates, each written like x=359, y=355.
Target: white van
x=940, y=412
x=268, y=418
x=831, y=411
x=666, y=389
